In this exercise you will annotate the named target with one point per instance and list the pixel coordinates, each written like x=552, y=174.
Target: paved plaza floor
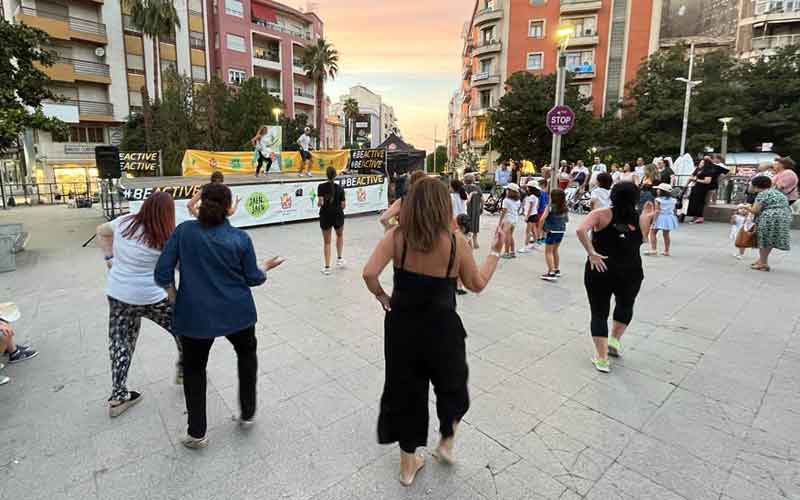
x=705, y=403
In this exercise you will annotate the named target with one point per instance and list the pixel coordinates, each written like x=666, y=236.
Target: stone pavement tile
x=267, y=394
x=770, y=462
x=171, y=404
x=516, y=352
x=485, y=375
x=710, y=430
x=339, y=362
x=297, y=378
x=475, y=451
x=651, y=346
x=129, y=437
x=528, y=396
x=621, y=483
x=368, y=348
x=629, y=405
x=327, y=403
x=497, y=418
x=725, y=386
x=366, y=384
x=780, y=414
x=566, y=370
x=594, y=429
x=86, y=490
x=276, y=357
x=314, y=344
x=784, y=378
x=247, y=483
x=682, y=338
x=565, y=459
x=738, y=488
x=674, y=468
x=654, y=366
x=520, y=481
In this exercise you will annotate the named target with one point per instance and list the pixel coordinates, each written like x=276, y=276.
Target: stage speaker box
x=107, y=160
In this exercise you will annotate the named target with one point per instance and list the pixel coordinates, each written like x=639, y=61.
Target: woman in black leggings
x=614, y=266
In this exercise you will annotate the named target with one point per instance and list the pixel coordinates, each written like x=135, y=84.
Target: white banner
x=273, y=203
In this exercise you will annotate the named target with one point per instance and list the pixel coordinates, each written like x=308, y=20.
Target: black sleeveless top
x=421, y=292
x=620, y=244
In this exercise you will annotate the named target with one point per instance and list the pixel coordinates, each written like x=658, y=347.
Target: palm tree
x=154, y=18
x=320, y=62
x=351, y=113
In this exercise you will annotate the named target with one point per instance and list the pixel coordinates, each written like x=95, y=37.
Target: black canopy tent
x=401, y=157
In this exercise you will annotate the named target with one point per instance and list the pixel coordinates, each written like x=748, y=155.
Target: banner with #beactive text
x=204, y=163
x=272, y=203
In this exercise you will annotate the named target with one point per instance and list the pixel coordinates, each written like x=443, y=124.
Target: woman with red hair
x=132, y=245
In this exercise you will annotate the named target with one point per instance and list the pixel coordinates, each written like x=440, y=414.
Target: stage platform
x=230, y=180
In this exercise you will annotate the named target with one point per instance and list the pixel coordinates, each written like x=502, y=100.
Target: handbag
x=746, y=239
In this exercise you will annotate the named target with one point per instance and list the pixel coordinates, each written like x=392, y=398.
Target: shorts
x=553, y=238
x=305, y=155
x=533, y=219
x=331, y=220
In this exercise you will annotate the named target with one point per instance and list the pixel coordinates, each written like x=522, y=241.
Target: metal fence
x=49, y=193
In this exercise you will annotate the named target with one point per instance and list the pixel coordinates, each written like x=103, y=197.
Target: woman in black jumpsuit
x=614, y=266
x=424, y=337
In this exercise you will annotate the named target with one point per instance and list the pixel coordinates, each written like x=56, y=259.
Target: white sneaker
x=524, y=250
x=326, y=271
x=340, y=263
x=308, y=174
x=738, y=256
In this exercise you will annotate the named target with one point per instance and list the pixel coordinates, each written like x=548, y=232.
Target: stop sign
x=560, y=120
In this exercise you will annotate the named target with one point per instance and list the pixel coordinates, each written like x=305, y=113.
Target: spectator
x=773, y=220
x=474, y=207
x=665, y=172
x=706, y=179
x=502, y=176
x=628, y=175
x=601, y=195
x=785, y=178
x=16, y=352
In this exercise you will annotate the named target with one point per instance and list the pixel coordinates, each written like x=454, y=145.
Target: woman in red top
x=785, y=178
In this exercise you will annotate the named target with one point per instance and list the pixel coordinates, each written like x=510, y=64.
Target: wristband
x=108, y=257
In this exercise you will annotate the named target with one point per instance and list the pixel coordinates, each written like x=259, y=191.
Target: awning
x=264, y=13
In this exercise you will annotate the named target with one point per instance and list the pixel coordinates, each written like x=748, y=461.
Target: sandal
x=408, y=482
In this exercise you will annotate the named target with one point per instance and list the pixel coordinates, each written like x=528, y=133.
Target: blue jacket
x=217, y=268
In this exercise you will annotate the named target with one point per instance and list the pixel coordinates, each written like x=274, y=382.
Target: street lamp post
x=562, y=35
x=724, y=146
x=690, y=84
x=277, y=112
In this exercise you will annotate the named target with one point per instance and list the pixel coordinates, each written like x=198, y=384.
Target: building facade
x=376, y=120
x=709, y=24
x=610, y=39
x=766, y=26
x=104, y=63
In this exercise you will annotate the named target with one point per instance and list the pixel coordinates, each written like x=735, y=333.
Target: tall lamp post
x=724, y=146
x=690, y=84
x=277, y=112
x=562, y=37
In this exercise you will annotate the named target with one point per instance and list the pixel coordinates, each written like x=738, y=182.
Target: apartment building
x=376, y=120
x=766, y=26
x=104, y=63
x=708, y=24
x=610, y=39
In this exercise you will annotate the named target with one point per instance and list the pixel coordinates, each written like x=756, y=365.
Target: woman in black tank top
x=423, y=335
x=614, y=266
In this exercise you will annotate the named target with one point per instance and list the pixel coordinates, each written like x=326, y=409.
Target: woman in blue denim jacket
x=217, y=268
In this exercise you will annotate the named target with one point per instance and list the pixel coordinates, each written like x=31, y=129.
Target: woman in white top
x=458, y=197
x=263, y=142
x=132, y=245
x=509, y=218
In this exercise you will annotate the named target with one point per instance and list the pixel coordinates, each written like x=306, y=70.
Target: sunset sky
x=408, y=52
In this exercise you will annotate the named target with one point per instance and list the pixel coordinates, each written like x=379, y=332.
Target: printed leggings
x=124, y=322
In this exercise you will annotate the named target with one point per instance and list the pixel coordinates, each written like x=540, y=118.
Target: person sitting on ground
x=16, y=352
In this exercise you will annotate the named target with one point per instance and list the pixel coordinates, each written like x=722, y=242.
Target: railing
x=195, y=13
x=86, y=67
x=576, y=2
x=484, y=75
x=169, y=38
x=92, y=107
x=580, y=69
x=266, y=55
x=283, y=29
x=297, y=62
x=267, y=85
x=135, y=71
x=774, y=42
x=776, y=6
x=127, y=24
x=75, y=23
x=197, y=43
x=50, y=193
x=303, y=93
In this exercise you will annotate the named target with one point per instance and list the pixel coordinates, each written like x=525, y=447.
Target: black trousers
x=697, y=200
x=263, y=159
x=600, y=287
x=422, y=348
x=195, y=360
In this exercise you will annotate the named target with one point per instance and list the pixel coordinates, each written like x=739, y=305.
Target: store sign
x=367, y=160
x=78, y=148
x=275, y=202
x=140, y=164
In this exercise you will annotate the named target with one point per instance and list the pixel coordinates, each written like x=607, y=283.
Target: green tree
x=23, y=86
x=351, y=113
x=441, y=160
x=246, y=111
x=156, y=19
x=517, y=126
x=292, y=128
x=210, y=102
x=320, y=62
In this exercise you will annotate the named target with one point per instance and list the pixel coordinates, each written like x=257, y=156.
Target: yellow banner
x=203, y=163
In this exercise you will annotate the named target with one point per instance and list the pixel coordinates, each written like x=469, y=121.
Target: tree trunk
x=147, y=114
x=156, y=69
x=320, y=115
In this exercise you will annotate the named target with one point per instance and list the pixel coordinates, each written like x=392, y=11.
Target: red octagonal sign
x=560, y=120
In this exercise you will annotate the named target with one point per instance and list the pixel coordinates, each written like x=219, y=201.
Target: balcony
x=575, y=6
x=775, y=42
x=279, y=28
x=487, y=15
x=773, y=7
x=197, y=43
x=63, y=27
x=303, y=96
x=72, y=70
x=274, y=88
x=581, y=71
x=266, y=58
x=485, y=78
x=297, y=65
x=93, y=110
x=467, y=72
x=479, y=110
x=587, y=38
x=487, y=47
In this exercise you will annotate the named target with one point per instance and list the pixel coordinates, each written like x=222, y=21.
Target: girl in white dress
x=665, y=220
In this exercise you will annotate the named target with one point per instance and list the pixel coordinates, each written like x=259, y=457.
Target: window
x=487, y=35
x=167, y=66
x=538, y=2
x=585, y=90
x=81, y=133
x=536, y=29
x=236, y=76
x=488, y=4
x=198, y=73
x=196, y=5
x=535, y=61
x=486, y=99
x=135, y=63
x=216, y=41
x=197, y=40
x=581, y=61
x=583, y=26
x=135, y=99
x=486, y=66
x=234, y=8
x=235, y=42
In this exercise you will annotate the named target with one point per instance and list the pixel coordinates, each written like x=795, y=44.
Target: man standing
x=304, y=141
x=502, y=176
x=639, y=168
x=598, y=168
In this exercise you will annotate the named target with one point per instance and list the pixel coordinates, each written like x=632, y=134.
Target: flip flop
x=410, y=481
